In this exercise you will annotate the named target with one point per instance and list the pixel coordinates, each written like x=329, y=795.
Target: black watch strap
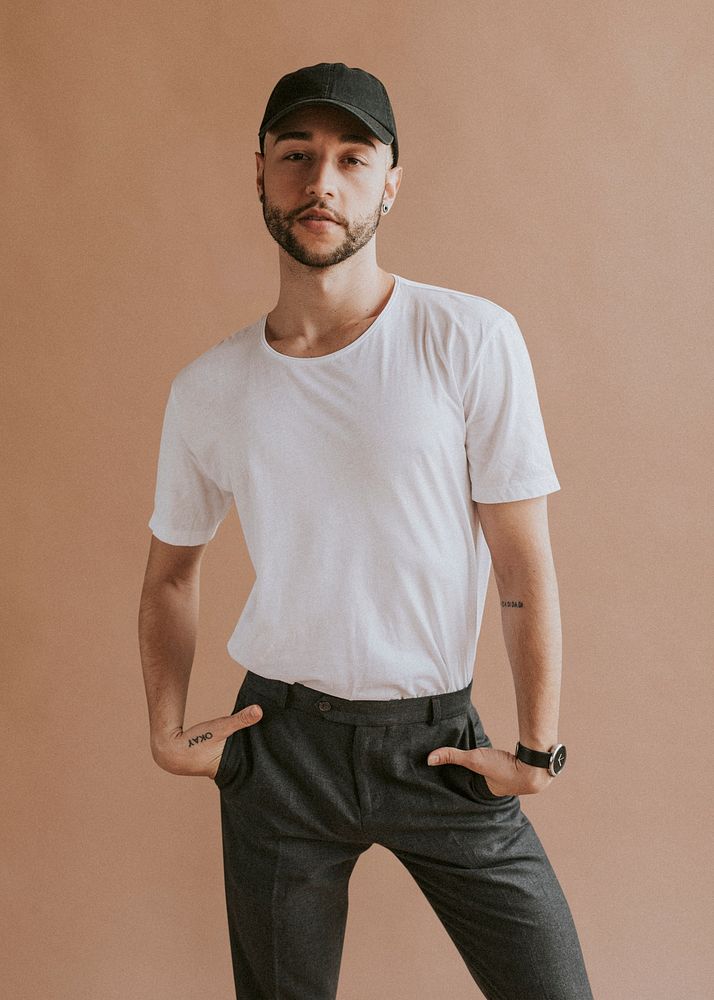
x=553, y=759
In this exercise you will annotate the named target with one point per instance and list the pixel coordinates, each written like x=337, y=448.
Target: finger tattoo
x=200, y=738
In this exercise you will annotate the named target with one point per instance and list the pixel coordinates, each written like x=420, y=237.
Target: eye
x=352, y=158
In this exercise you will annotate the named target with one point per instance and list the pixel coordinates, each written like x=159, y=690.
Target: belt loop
x=282, y=691
x=435, y=710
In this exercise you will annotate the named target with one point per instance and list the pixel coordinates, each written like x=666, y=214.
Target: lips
x=319, y=224
x=320, y=216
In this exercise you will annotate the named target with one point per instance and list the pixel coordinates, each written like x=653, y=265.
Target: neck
x=317, y=302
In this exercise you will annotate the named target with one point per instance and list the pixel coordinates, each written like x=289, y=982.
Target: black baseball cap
x=350, y=88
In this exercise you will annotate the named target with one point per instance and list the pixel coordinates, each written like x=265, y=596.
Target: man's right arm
x=168, y=627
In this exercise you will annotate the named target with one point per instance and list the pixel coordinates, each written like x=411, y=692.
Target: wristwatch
x=553, y=759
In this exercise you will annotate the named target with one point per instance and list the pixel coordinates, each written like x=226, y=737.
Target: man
x=383, y=442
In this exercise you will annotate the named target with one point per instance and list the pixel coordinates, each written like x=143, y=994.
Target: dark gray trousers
x=317, y=781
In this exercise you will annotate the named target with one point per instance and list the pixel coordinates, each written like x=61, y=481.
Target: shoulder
x=456, y=305
x=459, y=323
x=208, y=376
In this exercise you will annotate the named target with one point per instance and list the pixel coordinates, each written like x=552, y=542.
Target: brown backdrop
x=558, y=160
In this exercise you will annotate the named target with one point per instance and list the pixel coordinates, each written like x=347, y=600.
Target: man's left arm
x=518, y=538
x=516, y=533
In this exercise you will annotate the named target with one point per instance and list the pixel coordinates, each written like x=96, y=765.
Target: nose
x=321, y=179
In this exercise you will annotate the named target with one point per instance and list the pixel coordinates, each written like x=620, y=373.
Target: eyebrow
x=347, y=137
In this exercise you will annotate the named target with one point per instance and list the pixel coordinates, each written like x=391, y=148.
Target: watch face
x=558, y=759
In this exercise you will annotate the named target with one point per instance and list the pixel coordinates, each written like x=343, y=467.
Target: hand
x=506, y=774
x=198, y=750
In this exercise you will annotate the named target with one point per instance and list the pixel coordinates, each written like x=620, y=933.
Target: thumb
x=247, y=716
x=446, y=755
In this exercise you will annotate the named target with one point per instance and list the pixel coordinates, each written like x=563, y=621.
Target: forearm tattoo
x=511, y=604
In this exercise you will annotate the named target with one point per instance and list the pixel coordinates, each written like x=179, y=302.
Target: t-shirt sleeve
x=188, y=504
x=506, y=444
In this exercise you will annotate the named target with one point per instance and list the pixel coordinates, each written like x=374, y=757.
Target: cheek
x=276, y=181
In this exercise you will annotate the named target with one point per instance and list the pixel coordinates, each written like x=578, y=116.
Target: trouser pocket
x=467, y=782
x=233, y=759
x=477, y=738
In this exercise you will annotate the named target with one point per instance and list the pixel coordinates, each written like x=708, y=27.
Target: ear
x=260, y=166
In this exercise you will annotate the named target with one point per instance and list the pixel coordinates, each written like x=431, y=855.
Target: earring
x=385, y=208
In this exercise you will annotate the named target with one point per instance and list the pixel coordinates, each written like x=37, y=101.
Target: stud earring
x=385, y=208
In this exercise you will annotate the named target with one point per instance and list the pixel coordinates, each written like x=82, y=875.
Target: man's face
x=336, y=165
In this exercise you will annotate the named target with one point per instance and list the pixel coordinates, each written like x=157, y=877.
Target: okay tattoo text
x=200, y=739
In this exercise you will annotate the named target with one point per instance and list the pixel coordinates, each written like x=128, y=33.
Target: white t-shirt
x=353, y=476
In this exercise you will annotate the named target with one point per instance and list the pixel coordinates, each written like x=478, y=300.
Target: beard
x=281, y=227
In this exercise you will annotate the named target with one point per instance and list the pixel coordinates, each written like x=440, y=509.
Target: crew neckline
x=290, y=358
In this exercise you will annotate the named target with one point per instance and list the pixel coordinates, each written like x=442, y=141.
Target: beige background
x=557, y=160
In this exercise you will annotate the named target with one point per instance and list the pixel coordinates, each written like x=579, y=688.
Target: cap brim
x=383, y=134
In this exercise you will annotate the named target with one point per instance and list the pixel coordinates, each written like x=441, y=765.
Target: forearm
x=530, y=617
x=168, y=627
